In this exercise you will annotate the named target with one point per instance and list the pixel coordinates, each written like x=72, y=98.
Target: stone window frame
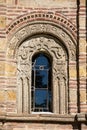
x=28, y=48
x=46, y=28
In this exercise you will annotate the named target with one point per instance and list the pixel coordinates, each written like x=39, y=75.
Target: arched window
x=42, y=77
x=41, y=94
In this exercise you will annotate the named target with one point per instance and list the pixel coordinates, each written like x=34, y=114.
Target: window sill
x=43, y=118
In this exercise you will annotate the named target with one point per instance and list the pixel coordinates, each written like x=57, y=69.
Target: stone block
x=19, y=129
x=82, y=22
x=72, y=72
x=2, y=68
x=82, y=46
x=2, y=95
x=83, y=96
x=48, y=3
x=2, y=22
x=2, y=43
x=2, y=1
x=73, y=95
x=82, y=70
x=10, y=53
x=82, y=2
x=10, y=69
x=11, y=95
x=10, y=2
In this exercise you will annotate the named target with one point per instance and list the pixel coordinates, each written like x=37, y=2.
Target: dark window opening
x=41, y=92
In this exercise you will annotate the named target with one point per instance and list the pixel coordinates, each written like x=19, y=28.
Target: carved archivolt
x=42, y=16
x=57, y=42
x=49, y=45
x=45, y=29
x=35, y=45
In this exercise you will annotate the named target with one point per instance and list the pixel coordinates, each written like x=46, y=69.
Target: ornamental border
x=41, y=16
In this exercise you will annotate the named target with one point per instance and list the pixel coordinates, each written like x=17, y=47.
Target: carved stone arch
x=25, y=19
x=42, y=28
x=42, y=22
x=66, y=39
x=51, y=46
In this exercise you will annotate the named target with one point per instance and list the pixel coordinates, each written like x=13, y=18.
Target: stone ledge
x=44, y=118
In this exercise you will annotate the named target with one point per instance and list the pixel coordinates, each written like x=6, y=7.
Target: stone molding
x=34, y=27
x=39, y=28
x=53, y=48
x=51, y=118
x=41, y=16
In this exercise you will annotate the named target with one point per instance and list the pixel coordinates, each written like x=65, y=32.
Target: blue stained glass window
x=41, y=83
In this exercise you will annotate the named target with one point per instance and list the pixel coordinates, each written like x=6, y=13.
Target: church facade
x=43, y=65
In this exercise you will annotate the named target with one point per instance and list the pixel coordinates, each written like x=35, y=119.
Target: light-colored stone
x=72, y=72
x=10, y=69
x=82, y=23
x=10, y=2
x=55, y=18
x=73, y=97
x=2, y=95
x=11, y=95
x=2, y=21
x=2, y=1
x=20, y=129
x=48, y=3
x=83, y=2
x=2, y=68
x=83, y=71
x=82, y=45
x=2, y=43
x=52, y=48
x=83, y=96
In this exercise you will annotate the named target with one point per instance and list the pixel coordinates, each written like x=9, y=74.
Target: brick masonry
x=11, y=13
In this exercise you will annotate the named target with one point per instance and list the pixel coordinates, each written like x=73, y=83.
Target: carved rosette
x=52, y=47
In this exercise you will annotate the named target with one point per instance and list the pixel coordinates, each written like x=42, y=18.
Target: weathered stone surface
x=83, y=71
x=10, y=69
x=83, y=2
x=2, y=1
x=2, y=21
x=3, y=43
x=73, y=97
x=72, y=72
x=82, y=46
x=11, y=95
x=2, y=68
x=58, y=18
x=48, y=3
x=2, y=95
x=10, y=2
x=51, y=47
x=83, y=96
x=45, y=28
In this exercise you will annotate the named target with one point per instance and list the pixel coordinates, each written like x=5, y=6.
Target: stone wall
x=72, y=16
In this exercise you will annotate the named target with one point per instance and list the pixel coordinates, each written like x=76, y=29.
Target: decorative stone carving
x=42, y=16
x=44, y=28
x=49, y=45
x=44, y=23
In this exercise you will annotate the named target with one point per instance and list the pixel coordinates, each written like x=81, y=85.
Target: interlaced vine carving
x=45, y=44
x=43, y=28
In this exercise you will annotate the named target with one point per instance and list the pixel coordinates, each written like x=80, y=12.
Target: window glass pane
x=41, y=98
x=41, y=79
x=41, y=83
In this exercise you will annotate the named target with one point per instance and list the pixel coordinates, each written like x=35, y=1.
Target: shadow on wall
x=76, y=126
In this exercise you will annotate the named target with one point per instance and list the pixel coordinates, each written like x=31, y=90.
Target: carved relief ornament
x=45, y=28
x=49, y=45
